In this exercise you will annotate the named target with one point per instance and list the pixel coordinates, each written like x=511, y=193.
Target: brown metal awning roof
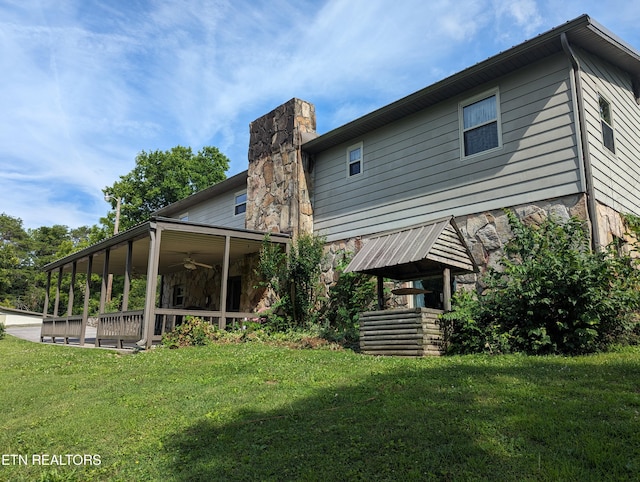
x=415, y=252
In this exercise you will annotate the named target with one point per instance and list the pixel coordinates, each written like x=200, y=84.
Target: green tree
x=161, y=178
x=294, y=280
x=23, y=253
x=14, y=256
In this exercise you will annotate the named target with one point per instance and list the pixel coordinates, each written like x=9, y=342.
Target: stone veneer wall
x=278, y=185
x=486, y=234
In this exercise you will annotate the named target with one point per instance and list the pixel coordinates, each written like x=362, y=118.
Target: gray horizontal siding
x=413, y=172
x=217, y=211
x=616, y=177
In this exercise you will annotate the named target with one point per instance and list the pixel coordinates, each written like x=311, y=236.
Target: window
x=354, y=160
x=480, y=124
x=607, y=124
x=240, y=202
x=184, y=217
x=178, y=295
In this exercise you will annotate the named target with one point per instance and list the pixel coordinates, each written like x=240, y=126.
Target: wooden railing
x=61, y=327
x=127, y=326
x=120, y=327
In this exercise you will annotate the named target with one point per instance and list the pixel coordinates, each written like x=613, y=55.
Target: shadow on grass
x=423, y=423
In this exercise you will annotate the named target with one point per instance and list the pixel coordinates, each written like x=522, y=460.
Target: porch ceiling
x=204, y=244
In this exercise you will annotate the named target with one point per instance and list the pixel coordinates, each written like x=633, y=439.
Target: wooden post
x=103, y=290
x=105, y=276
x=446, y=289
x=149, y=321
x=222, y=324
x=127, y=277
x=380, y=293
x=87, y=295
x=56, y=304
x=74, y=268
x=45, y=309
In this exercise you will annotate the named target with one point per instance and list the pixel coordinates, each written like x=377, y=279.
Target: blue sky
x=85, y=85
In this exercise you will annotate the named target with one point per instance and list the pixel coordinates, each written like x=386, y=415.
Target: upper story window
x=240, y=203
x=184, y=217
x=354, y=160
x=480, y=124
x=607, y=124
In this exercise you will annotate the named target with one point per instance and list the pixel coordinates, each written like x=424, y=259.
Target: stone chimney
x=279, y=184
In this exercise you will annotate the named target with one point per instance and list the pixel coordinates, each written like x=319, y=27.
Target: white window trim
x=236, y=204
x=483, y=95
x=349, y=149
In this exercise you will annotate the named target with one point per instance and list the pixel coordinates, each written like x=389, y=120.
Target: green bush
x=192, y=332
x=2, y=330
x=550, y=294
x=352, y=294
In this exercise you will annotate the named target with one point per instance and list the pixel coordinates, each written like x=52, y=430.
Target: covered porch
x=435, y=252
x=189, y=271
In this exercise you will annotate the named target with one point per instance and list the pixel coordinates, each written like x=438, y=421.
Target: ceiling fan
x=189, y=263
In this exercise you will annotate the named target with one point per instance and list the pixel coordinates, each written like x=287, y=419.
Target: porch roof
x=415, y=252
x=179, y=239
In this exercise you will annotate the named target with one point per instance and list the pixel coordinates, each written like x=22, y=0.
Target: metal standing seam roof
x=414, y=251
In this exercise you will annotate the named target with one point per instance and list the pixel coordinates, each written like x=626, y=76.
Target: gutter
x=581, y=127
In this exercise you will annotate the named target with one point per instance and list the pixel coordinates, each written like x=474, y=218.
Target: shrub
x=550, y=294
x=192, y=332
x=2, y=330
x=351, y=294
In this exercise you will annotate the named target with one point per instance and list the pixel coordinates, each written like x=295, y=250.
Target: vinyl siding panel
x=616, y=177
x=218, y=211
x=413, y=171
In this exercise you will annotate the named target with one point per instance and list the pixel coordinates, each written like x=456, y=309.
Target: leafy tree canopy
x=23, y=253
x=161, y=178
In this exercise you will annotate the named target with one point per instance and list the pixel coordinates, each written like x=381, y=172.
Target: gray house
x=548, y=127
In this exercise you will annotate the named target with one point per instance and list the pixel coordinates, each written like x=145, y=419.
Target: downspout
x=581, y=127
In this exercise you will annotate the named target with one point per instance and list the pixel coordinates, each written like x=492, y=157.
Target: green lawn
x=255, y=412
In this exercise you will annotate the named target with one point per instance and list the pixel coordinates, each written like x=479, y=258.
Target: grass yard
x=256, y=412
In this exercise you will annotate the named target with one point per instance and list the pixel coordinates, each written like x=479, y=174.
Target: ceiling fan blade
x=202, y=265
